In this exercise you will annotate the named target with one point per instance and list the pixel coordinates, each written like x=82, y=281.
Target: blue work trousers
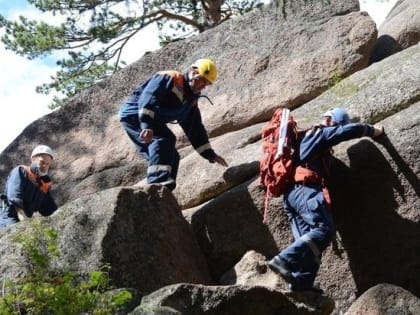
x=160, y=153
x=313, y=230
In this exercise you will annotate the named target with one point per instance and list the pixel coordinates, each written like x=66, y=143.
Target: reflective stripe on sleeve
x=178, y=92
x=147, y=112
x=203, y=148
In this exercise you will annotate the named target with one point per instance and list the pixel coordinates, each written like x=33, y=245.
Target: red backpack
x=278, y=170
x=279, y=141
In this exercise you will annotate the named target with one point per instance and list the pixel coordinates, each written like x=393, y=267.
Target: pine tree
x=95, y=32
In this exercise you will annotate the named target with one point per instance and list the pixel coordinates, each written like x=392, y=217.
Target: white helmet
x=42, y=149
x=339, y=116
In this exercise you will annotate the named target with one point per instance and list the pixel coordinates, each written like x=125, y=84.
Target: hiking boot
x=313, y=289
x=281, y=266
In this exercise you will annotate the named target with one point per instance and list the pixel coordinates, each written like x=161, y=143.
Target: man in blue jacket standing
x=306, y=203
x=28, y=189
x=169, y=96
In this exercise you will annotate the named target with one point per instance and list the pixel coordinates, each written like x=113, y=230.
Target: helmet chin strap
x=192, y=78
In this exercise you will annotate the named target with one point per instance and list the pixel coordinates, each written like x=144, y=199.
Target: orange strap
x=307, y=176
x=178, y=79
x=327, y=197
x=36, y=180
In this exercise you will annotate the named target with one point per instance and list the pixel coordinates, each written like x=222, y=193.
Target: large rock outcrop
x=228, y=300
x=140, y=232
x=385, y=299
x=297, y=50
x=400, y=30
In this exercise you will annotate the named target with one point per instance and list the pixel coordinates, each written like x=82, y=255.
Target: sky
x=21, y=105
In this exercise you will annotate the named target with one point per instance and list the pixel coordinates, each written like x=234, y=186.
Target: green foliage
x=94, y=33
x=345, y=88
x=340, y=86
x=47, y=291
x=335, y=78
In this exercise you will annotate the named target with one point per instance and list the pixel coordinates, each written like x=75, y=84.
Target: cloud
x=20, y=104
x=146, y=40
x=377, y=9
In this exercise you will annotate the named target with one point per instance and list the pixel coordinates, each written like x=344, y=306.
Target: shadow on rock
x=369, y=197
x=385, y=46
x=229, y=226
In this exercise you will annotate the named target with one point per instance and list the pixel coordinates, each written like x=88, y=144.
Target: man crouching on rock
x=165, y=97
x=27, y=189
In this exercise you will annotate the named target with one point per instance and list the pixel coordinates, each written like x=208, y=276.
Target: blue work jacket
x=314, y=149
x=167, y=97
x=23, y=193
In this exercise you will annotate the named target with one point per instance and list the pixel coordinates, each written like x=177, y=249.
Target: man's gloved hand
x=378, y=131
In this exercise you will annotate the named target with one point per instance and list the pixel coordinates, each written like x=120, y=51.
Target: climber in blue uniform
x=306, y=203
x=169, y=96
x=27, y=189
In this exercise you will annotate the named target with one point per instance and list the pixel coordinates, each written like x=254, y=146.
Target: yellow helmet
x=206, y=68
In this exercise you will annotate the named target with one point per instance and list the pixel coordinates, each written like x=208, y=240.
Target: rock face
x=385, y=299
x=228, y=300
x=300, y=48
x=400, y=30
x=173, y=247
x=139, y=231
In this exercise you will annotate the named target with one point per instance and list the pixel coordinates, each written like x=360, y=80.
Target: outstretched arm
x=321, y=139
x=197, y=134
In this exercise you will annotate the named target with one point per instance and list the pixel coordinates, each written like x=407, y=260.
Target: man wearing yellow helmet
x=165, y=97
x=203, y=73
